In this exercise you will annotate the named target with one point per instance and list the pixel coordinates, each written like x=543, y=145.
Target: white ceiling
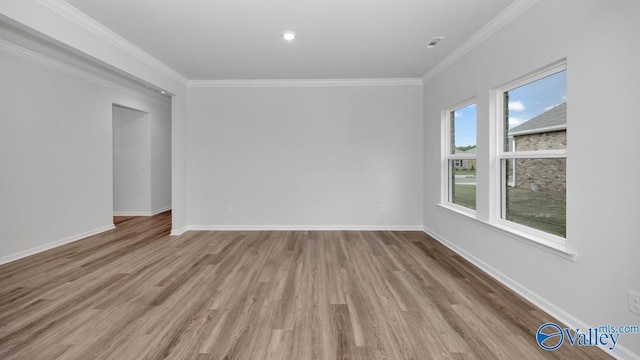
x=337, y=39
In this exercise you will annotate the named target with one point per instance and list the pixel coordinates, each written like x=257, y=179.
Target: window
x=533, y=153
x=459, y=166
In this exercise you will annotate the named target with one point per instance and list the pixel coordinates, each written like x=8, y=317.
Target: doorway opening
x=141, y=163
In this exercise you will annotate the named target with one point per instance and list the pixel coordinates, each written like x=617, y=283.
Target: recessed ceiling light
x=288, y=35
x=162, y=92
x=434, y=42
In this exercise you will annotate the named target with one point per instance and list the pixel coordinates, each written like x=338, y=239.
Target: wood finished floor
x=138, y=293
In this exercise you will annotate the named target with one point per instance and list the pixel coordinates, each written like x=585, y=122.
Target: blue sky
x=531, y=100
x=465, y=126
x=525, y=102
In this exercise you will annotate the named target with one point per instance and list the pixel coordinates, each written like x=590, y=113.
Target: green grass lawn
x=465, y=195
x=540, y=210
x=464, y=172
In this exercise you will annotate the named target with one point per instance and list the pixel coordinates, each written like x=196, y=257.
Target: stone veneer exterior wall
x=548, y=174
x=552, y=140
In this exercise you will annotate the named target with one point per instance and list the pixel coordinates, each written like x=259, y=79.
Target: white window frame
x=448, y=159
x=538, y=236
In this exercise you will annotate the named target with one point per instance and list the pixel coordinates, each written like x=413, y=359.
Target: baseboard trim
x=54, y=244
x=141, y=213
x=161, y=210
x=304, y=227
x=131, y=213
x=620, y=352
x=178, y=232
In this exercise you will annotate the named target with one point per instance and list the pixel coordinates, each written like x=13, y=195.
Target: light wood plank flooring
x=137, y=293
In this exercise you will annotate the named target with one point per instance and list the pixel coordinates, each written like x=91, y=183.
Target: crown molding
x=502, y=19
x=33, y=56
x=306, y=82
x=83, y=20
x=54, y=64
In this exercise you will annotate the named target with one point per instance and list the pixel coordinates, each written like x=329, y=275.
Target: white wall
x=62, y=24
x=599, y=40
x=131, y=162
x=56, y=180
x=160, y=123
x=305, y=156
x=179, y=163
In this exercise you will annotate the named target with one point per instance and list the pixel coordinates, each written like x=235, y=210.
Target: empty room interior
x=319, y=179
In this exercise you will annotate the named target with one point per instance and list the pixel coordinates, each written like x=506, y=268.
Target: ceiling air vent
x=434, y=42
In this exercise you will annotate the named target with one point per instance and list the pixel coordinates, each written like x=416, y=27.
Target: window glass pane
x=463, y=183
x=463, y=130
x=535, y=194
x=536, y=115
x=462, y=172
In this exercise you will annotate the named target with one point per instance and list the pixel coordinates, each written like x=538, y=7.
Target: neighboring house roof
x=551, y=120
x=470, y=151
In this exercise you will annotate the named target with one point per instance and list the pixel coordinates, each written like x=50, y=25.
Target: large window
x=532, y=156
x=460, y=160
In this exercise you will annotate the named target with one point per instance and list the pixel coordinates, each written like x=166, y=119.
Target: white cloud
x=458, y=114
x=514, y=121
x=564, y=97
x=550, y=107
x=516, y=105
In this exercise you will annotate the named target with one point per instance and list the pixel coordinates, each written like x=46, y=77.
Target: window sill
x=539, y=242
